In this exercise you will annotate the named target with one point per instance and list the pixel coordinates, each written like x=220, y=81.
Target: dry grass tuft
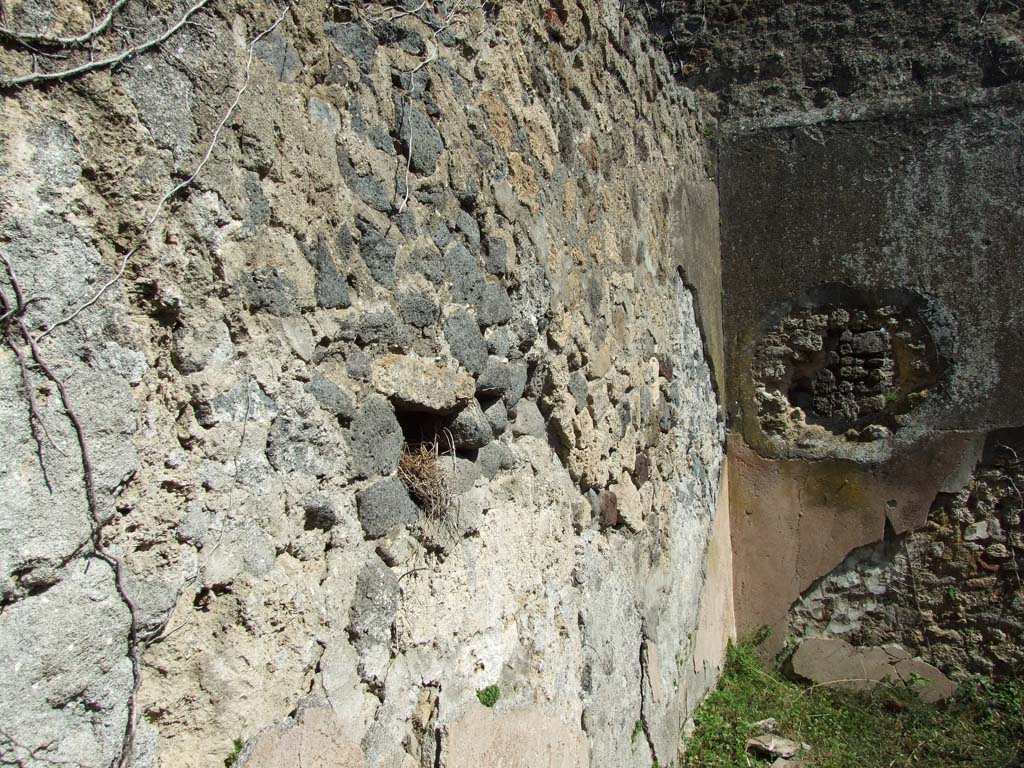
x=420, y=469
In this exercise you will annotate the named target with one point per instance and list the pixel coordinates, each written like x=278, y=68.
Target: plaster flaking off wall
x=875, y=255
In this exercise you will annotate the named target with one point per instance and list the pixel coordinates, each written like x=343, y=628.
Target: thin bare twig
x=99, y=548
x=33, y=753
x=408, y=166
x=35, y=417
x=14, y=316
x=96, y=520
x=140, y=242
x=20, y=309
x=1012, y=452
x=29, y=38
x=37, y=424
x=446, y=22
x=19, y=297
x=387, y=15
x=161, y=633
x=412, y=571
x=915, y=591
x=843, y=681
x=245, y=422
x=120, y=57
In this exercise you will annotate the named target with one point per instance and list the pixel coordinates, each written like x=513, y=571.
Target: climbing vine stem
x=25, y=345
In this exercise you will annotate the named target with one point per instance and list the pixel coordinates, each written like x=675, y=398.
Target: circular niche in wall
x=845, y=366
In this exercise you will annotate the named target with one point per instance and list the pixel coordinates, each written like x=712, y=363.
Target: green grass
x=489, y=696
x=638, y=731
x=237, y=745
x=888, y=727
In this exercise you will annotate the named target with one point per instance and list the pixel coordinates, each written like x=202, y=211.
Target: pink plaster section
x=316, y=741
x=716, y=622
x=518, y=739
x=793, y=521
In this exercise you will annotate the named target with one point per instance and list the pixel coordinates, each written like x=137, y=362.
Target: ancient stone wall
x=869, y=167
x=351, y=367
x=793, y=60
x=950, y=590
x=846, y=368
x=871, y=278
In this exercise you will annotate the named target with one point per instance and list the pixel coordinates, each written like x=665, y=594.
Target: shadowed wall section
x=923, y=202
